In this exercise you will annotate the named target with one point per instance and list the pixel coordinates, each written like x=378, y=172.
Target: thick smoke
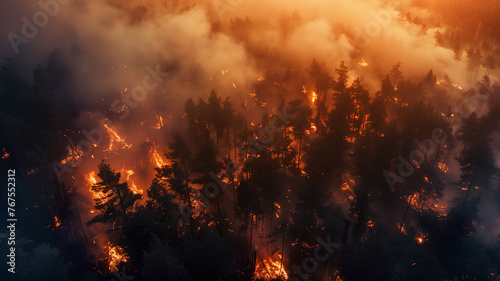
x=204, y=46
x=139, y=33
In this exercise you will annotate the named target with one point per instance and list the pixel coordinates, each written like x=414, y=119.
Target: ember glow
x=270, y=268
x=116, y=257
x=158, y=160
x=115, y=141
x=91, y=179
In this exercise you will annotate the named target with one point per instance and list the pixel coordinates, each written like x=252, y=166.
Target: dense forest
x=362, y=176
x=307, y=171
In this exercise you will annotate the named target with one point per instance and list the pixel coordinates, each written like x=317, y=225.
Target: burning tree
x=117, y=199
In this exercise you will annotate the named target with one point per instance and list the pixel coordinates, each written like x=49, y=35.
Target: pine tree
x=322, y=82
x=215, y=114
x=476, y=160
x=191, y=115
x=179, y=151
x=301, y=123
x=396, y=74
x=489, y=64
x=342, y=77
x=117, y=199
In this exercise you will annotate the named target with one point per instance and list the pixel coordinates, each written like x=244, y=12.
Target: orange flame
x=91, y=178
x=270, y=269
x=158, y=125
x=57, y=221
x=132, y=185
x=116, y=256
x=5, y=154
x=114, y=139
x=72, y=156
x=443, y=167
x=421, y=238
x=278, y=211
x=158, y=159
x=363, y=63
x=314, y=97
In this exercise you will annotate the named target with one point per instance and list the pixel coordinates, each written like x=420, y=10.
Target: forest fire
x=91, y=179
x=5, y=154
x=314, y=97
x=115, y=140
x=73, y=155
x=270, y=268
x=192, y=142
x=159, y=123
x=116, y=257
x=443, y=167
x=156, y=157
x=133, y=187
x=57, y=221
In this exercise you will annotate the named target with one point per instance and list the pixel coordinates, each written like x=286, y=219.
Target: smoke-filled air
x=250, y=140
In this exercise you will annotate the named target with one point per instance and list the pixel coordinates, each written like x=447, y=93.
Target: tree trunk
x=300, y=148
x=246, y=230
x=407, y=209
x=191, y=222
x=83, y=230
x=217, y=137
x=218, y=216
x=251, y=231
x=235, y=146
x=228, y=145
x=283, y=247
x=270, y=229
x=122, y=205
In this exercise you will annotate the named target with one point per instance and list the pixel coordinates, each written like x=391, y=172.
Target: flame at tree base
x=270, y=268
x=116, y=256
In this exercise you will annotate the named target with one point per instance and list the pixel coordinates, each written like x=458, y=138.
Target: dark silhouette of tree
x=455, y=249
x=191, y=115
x=387, y=91
x=45, y=263
x=377, y=114
x=301, y=122
x=322, y=82
x=179, y=151
x=216, y=115
x=457, y=50
x=240, y=28
x=161, y=206
x=207, y=166
x=342, y=77
x=360, y=209
x=203, y=119
x=430, y=78
x=117, y=199
x=177, y=181
x=396, y=74
x=361, y=100
x=489, y=64
x=474, y=60
x=476, y=160
x=246, y=208
x=161, y=263
x=228, y=118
